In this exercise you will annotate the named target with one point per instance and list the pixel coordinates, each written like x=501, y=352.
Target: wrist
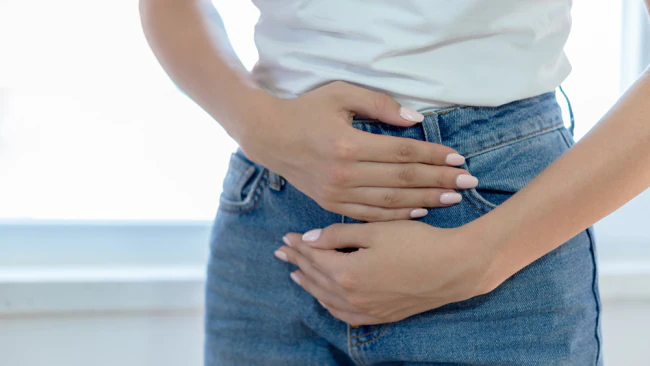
x=252, y=116
x=489, y=239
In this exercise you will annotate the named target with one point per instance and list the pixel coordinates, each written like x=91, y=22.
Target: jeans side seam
x=594, y=292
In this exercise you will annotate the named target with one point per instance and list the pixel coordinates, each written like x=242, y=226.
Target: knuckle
x=390, y=198
x=435, y=156
x=404, y=153
x=345, y=150
x=431, y=199
x=339, y=175
x=381, y=102
x=407, y=175
x=346, y=281
x=441, y=178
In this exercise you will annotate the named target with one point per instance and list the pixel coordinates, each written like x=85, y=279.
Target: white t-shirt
x=424, y=53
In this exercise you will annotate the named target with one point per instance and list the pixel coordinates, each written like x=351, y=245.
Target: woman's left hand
x=401, y=268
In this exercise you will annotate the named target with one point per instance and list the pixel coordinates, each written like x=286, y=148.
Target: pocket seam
x=513, y=140
x=252, y=199
x=472, y=196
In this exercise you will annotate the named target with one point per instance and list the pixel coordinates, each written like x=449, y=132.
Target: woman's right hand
x=310, y=141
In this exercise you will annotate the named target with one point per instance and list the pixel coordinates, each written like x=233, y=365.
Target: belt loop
x=568, y=102
x=431, y=129
x=276, y=182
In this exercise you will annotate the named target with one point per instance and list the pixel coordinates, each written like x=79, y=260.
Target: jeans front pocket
x=243, y=185
x=503, y=169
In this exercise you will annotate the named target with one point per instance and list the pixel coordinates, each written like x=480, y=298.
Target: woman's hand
x=401, y=268
x=310, y=141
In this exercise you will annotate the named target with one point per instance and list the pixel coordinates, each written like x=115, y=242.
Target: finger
x=401, y=197
x=410, y=175
x=331, y=300
x=369, y=213
x=339, y=236
x=316, y=276
x=295, y=257
x=392, y=149
x=325, y=259
x=375, y=105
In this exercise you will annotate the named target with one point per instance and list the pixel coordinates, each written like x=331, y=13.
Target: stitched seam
x=473, y=195
x=364, y=335
x=474, y=206
x=593, y=290
x=358, y=359
x=256, y=199
x=473, y=153
x=381, y=333
x=477, y=196
x=443, y=112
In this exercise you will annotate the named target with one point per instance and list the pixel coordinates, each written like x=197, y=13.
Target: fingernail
x=455, y=159
x=281, y=255
x=322, y=304
x=450, y=198
x=294, y=277
x=286, y=240
x=411, y=115
x=312, y=235
x=419, y=212
x=466, y=181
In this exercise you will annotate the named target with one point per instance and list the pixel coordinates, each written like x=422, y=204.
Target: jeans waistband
x=471, y=130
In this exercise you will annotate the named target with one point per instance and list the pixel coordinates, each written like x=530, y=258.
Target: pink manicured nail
x=322, y=304
x=454, y=159
x=294, y=277
x=419, y=212
x=281, y=255
x=312, y=235
x=466, y=181
x=286, y=241
x=450, y=198
x=411, y=115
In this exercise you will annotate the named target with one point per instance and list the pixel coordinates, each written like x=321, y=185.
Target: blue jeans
x=546, y=314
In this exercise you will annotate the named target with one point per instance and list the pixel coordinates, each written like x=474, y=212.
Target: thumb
x=377, y=105
x=337, y=236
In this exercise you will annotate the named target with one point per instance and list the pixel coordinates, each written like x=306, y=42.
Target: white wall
x=175, y=338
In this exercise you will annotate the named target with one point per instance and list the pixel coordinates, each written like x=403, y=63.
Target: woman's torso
x=424, y=53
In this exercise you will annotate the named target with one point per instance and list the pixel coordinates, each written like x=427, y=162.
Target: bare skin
x=308, y=140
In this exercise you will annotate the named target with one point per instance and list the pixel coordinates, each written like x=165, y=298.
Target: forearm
x=607, y=168
x=191, y=44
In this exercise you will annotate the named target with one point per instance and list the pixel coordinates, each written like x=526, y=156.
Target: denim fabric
x=546, y=314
